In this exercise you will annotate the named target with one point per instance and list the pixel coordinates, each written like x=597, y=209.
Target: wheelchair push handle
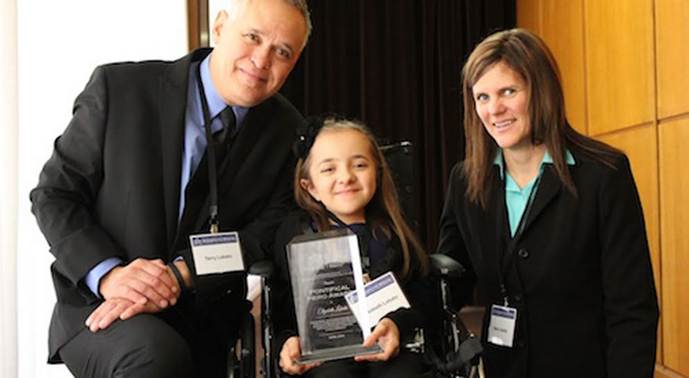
x=446, y=267
x=263, y=268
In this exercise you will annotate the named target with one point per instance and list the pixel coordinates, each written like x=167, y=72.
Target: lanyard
x=513, y=242
x=211, y=156
x=364, y=240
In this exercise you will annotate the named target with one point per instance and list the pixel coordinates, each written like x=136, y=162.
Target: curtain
x=395, y=65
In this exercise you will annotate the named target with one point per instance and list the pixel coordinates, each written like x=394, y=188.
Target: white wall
x=8, y=188
x=59, y=44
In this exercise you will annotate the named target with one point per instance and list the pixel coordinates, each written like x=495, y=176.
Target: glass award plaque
x=324, y=267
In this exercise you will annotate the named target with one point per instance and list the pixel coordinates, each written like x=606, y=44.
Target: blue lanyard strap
x=363, y=240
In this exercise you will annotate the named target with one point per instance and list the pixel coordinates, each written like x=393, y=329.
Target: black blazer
x=580, y=275
x=112, y=184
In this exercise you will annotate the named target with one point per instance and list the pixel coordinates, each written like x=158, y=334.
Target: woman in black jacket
x=549, y=224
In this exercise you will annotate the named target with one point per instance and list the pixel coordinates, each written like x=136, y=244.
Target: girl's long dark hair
x=383, y=212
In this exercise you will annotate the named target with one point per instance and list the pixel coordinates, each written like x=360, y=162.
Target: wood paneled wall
x=674, y=216
x=625, y=68
x=672, y=36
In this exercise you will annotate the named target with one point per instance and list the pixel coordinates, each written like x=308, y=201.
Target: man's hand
x=141, y=281
x=387, y=335
x=289, y=354
x=116, y=308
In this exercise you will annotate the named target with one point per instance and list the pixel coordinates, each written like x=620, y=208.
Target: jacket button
x=517, y=298
x=523, y=253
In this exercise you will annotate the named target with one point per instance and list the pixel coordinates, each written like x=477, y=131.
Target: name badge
x=502, y=322
x=216, y=253
x=383, y=296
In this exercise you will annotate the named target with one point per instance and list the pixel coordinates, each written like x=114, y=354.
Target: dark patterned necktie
x=228, y=122
x=223, y=137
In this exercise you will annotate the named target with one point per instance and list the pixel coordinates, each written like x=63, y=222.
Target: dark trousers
x=406, y=364
x=181, y=342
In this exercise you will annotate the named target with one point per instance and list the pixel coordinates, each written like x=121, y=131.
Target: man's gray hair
x=236, y=7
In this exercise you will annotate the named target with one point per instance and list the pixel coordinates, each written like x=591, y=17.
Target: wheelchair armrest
x=445, y=266
x=263, y=268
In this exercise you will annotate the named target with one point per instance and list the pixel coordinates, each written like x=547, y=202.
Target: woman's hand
x=289, y=354
x=387, y=335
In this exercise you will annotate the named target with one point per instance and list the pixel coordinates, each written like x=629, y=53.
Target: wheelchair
x=460, y=349
x=241, y=360
x=455, y=355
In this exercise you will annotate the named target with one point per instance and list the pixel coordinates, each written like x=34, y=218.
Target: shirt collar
x=569, y=158
x=547, y=159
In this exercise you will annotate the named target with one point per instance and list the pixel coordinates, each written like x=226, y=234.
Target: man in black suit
x=128, y=183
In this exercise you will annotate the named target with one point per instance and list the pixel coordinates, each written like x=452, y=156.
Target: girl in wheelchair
x=343, y=180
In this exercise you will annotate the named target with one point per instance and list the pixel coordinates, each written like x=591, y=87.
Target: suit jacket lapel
x=546, y=192
x=499, y=244
x=173, y=100
x=495, y=241
x=255, y=123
